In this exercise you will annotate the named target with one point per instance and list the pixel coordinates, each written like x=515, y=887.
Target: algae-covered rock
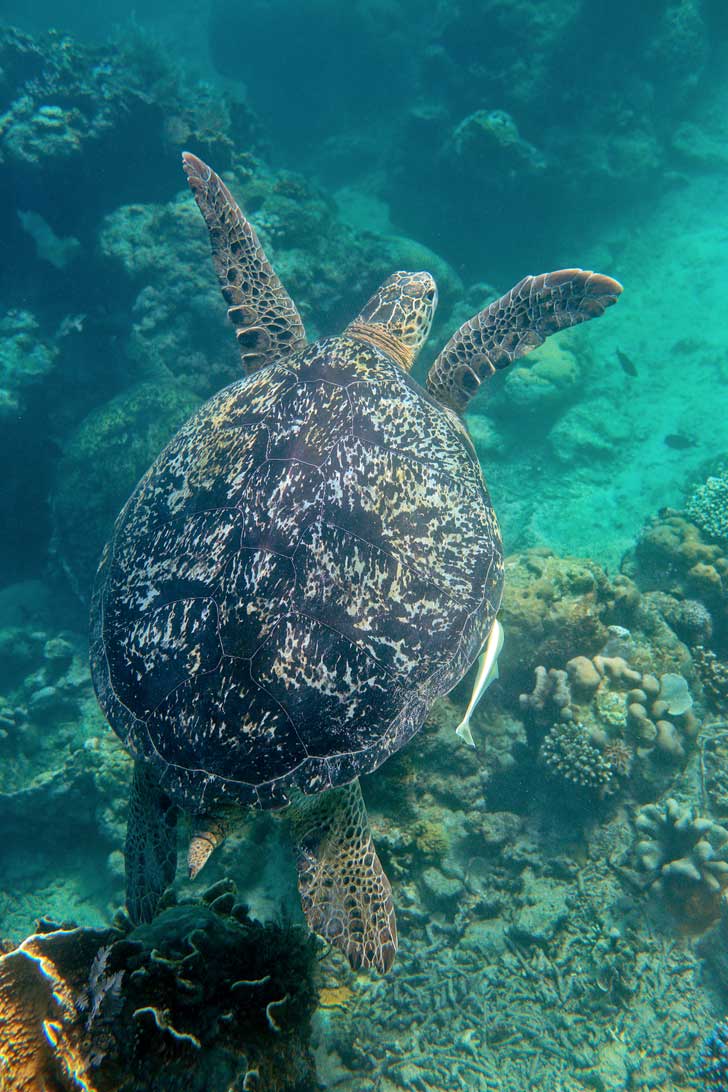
x=103, y=462
x=26, y=359
x=441, y=892
x=589, y=430
x=545, y=385
x=488, y=141
x=554, y=608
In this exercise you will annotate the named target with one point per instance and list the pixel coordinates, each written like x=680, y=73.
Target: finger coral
x=687, y=857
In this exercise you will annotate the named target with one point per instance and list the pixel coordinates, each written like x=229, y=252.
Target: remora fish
x=487, y=673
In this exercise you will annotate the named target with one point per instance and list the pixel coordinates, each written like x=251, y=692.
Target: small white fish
x=487, y=673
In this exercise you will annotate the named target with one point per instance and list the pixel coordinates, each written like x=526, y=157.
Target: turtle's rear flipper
x=151, y=845
x=345, y=894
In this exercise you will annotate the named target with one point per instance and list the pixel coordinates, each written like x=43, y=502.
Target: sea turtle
x=310, y=562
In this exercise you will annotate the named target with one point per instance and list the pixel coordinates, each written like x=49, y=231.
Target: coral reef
x=70, y=108
x=203, y=995
x=687, y=857
x=25, y=361
x=607, y=720
x=539, y=976
x=554, y=608
x=534, y=953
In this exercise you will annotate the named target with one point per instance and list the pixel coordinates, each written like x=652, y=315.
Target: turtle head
x=398, y=317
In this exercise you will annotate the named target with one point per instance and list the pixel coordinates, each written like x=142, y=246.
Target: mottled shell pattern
x=311, y=561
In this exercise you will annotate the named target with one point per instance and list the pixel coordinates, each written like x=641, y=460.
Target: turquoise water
x=558, y=886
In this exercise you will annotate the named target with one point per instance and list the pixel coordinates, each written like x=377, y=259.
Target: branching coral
x=708, y=506
x=713, y=674
x=566, y=750
x=712, y=1065
x=687, y=857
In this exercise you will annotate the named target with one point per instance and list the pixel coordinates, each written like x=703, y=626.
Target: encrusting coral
x=203, y=997
x=687, y=858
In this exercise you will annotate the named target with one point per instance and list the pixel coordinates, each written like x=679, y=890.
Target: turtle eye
x=430, y=295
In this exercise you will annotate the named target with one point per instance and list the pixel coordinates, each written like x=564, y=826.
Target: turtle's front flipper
x=513, y=325
x=151, y=845
x=345, y=894
x=267, y=325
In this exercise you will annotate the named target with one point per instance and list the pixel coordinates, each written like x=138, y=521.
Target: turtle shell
x=310, y=562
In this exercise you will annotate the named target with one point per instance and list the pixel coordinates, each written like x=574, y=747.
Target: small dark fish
x=627, y=365
x=674, y=439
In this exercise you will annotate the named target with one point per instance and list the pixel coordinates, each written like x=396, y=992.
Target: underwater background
x=559, y=887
